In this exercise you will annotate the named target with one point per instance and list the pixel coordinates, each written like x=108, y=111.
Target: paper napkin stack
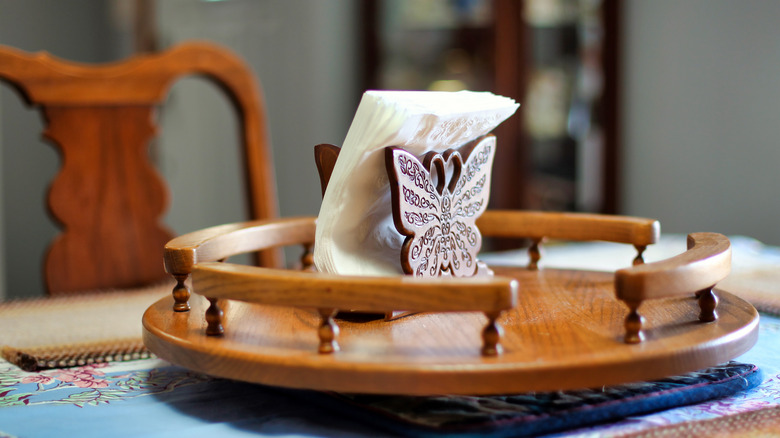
x=355, y=231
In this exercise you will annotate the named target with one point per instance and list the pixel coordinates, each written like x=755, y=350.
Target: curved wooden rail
x=223, y=241
x=706, y=262
x=330, y=293
x=539, y=225
x=373, y=294
x=569, y=226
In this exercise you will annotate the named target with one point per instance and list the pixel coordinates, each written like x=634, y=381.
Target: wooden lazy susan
x=521, y=329
x=451, y=324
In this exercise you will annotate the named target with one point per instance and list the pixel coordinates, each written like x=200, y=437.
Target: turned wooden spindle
x=708, y=303
x=307, y=258
x=328, y=331
x=491, y=335
x=633, y=324
x=214, y=316
x=534, y=254
x=181, y=294
x=639, y=259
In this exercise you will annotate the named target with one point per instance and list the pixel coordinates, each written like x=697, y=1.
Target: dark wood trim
x=512, y=164
x=144, y=27
x=369, y=44
x=511, y=59
x=611, y=16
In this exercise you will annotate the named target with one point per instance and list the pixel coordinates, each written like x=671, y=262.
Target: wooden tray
x=565, y=333
x=562, y=329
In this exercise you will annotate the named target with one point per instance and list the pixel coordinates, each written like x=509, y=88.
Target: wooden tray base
x=566, y=333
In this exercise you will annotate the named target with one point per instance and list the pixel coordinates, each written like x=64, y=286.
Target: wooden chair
x=107, y=196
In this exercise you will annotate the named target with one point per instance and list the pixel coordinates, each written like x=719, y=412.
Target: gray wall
x=702, y=115
x=303, y=52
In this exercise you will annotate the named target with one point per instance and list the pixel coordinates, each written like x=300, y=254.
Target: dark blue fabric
x=540, y=413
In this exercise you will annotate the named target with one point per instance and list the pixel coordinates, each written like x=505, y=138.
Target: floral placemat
x=152, y=398
x=91, y=385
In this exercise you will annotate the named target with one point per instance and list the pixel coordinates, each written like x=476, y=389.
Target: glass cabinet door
x=556, y=57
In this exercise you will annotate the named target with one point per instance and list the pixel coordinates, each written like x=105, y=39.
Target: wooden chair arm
x=569, y=226
x=706, y=262
x=223, y=241
x=372, y=294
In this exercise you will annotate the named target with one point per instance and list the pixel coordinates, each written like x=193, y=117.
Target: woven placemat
x=759, y=287
x=537, y=413
x=76, y=330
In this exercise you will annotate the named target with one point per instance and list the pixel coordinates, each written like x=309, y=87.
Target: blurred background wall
x=701, y=112
x=700, y=98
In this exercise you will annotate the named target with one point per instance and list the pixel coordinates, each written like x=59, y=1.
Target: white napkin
x=355, y=231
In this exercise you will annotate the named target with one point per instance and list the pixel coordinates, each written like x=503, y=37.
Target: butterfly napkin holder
x=436, y=200
x=436, y=203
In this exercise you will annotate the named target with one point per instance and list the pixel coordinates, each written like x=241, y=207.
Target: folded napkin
x=355, y=232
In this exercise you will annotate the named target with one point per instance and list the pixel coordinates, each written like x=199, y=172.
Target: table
x=152, y=398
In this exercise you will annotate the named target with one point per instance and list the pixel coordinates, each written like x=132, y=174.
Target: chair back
x=108, y=197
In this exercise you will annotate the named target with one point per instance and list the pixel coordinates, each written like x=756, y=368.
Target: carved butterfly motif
x=436, y=203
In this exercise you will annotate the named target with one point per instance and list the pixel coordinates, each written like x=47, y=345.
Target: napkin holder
x=435, y=200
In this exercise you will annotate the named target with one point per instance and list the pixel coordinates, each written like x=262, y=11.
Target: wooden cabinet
x=558, y=58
